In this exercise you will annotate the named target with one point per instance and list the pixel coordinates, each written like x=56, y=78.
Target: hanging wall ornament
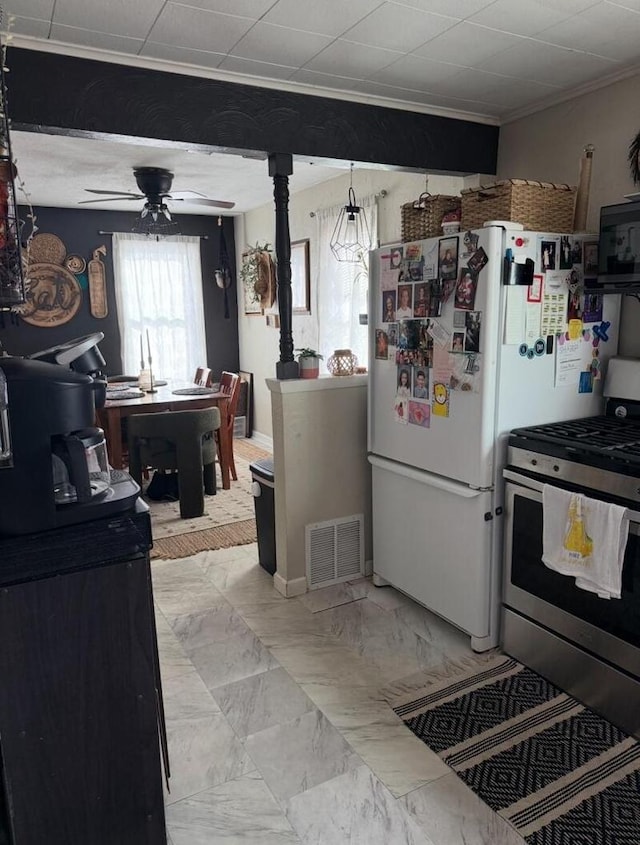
x=223, y=273
x=634, y=160
x=98, y=284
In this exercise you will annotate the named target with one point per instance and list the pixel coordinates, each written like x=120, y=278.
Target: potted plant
x=309, y=362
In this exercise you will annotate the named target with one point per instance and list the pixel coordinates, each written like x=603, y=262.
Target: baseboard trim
x=262, y=440
x=289, y=589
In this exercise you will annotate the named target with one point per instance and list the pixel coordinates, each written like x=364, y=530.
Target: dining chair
x=178, y=440
x=230, y=384
x=203, y=377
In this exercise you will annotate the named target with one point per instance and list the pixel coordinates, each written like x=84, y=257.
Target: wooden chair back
x=203, y=377
x=230, y=384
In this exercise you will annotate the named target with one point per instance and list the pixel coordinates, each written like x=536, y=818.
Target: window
x=159, y=289
x=342, y=289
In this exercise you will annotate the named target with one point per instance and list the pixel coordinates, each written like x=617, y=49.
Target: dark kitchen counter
x=81, y=718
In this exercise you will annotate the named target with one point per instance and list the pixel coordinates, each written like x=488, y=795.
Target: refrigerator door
x=432, y=540
x=459, y=446
x=528, y=391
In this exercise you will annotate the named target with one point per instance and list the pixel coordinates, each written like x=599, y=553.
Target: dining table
x=164, y=398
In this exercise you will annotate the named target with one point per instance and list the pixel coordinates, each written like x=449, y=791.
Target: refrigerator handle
x=428, y=478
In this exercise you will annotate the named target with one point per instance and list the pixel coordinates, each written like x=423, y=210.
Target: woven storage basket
x=423, y=218
x=539, y=206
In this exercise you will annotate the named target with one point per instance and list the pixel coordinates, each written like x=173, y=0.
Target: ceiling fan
x=155, y=187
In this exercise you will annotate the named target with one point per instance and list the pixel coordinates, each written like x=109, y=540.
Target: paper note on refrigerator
x=515, y=315
x=569, y=355
x=533, y=322
x=440, y=334
x=554, y=312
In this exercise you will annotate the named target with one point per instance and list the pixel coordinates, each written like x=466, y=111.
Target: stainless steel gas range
x=587, y=645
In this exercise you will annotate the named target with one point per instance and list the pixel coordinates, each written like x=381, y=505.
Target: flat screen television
x=618, y=250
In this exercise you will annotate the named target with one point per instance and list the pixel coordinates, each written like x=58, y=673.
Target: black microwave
x=618, y=250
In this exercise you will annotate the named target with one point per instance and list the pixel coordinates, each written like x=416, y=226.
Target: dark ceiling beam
x=51, y=92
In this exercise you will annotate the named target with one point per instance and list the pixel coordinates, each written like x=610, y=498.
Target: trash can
x=263, y=491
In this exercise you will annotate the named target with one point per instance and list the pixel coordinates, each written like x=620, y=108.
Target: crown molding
x=564, y=96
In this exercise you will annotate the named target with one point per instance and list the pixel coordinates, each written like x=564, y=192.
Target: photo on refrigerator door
x=421, y=302
x=548, y=256
x=409, y=334
x=392, y=333
x=382, y=345
x=566, y=262
x=448, y=258
x=472, y=331
x=419, y=414
x=478, y=260
x=457, y=342
x=469, y=243
x=403, y=389
x=592, y=309
x=401, y=411
x=404, y=311
x=420, y=383
x=465, y=297
x=388, y=306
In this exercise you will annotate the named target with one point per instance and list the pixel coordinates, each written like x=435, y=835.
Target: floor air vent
x=334, y=550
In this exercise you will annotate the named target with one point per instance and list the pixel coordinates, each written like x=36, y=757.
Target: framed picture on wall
x=300, y=277
x=245, y=403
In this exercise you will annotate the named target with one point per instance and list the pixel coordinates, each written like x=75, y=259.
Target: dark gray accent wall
x=78, y=229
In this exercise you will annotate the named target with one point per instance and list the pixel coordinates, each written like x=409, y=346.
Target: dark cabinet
x=80, y=701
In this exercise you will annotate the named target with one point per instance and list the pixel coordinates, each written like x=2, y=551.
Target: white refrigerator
x=458, y=358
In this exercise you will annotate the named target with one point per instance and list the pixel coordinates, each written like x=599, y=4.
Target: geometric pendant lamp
x=351, y=236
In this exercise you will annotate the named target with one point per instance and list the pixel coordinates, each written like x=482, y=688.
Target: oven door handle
x=533, y=484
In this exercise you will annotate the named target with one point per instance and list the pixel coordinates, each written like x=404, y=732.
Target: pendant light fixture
x=351, y=236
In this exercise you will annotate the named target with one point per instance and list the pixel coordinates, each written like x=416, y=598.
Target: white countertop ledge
x=324, y=382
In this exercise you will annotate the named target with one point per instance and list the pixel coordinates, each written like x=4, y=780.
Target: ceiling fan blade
x=185, y=195
x=110, y=199
x=212, y=203
x=115, y=193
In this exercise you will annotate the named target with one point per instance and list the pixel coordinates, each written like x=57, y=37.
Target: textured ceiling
x=56, y=171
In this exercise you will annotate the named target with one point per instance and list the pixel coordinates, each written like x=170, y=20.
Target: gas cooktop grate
x=604, y=436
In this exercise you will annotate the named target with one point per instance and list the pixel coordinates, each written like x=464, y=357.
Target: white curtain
x=342, y=288
x=159, y=288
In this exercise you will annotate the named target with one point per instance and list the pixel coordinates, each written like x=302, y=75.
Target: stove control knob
x=556, y=468
x=534, y=462
x=620, y=411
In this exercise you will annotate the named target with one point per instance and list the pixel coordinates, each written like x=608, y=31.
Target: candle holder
x=152, y=387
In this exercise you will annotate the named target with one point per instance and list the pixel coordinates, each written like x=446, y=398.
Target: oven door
x=609, y=628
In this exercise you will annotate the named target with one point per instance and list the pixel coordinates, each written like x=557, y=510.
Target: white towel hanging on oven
x=585, y=538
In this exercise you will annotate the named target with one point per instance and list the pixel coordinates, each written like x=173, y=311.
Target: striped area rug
x=556, y=771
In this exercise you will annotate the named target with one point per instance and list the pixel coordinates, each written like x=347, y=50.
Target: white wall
x=259, y=345
x=548, y=146
x=320, y=465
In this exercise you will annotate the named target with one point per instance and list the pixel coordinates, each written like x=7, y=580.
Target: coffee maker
x=53, y=463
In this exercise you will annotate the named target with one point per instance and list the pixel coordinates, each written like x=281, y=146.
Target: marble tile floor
x=278, y=727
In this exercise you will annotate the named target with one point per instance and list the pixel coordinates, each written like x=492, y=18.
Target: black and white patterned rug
x=555, y=770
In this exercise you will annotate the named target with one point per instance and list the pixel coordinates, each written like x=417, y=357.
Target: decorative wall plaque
x=98, y=284
x=53, y=295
